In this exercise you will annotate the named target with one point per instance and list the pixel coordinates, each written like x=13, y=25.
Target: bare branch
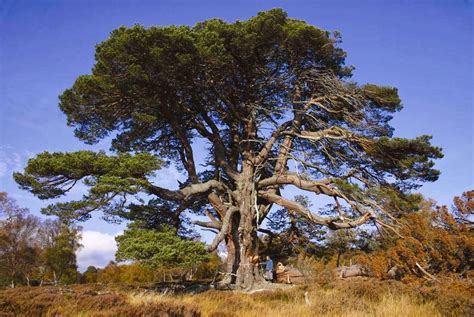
x=207, y=224
x=318, y=187
x=219, y=148
x=224, y=229
x=263, y=154
x=333, y=223
x=183, y=194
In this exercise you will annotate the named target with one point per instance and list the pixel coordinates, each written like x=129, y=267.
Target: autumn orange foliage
x=436, y=239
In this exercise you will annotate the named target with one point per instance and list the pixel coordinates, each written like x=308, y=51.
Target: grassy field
x=359, y=297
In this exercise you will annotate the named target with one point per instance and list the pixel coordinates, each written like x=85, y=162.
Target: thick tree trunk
x=248, y=253
x=233, y=251
x=242, y=260
x=247, y=273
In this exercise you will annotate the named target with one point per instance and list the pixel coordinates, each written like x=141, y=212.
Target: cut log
x=289, y=274
x=351, y=271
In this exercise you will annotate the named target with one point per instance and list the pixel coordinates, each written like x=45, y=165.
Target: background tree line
x=33, y=250
x=137, y=274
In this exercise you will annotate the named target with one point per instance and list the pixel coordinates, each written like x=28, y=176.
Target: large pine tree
x=260, y=94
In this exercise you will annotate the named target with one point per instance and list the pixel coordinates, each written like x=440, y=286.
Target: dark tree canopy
x=270, y=102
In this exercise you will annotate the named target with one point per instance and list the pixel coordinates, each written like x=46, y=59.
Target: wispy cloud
x=3, y=169
x=11, y=160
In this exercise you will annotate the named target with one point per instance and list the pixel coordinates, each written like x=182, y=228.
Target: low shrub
x=453, y=297
x=85, y=301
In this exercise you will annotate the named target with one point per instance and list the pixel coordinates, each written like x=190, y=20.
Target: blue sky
x=422, y=47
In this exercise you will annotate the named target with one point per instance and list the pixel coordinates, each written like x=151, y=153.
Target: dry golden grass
x=322, y=302
x=351, y=298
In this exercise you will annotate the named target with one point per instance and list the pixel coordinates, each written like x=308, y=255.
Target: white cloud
x=98, y=249
x=168, y=177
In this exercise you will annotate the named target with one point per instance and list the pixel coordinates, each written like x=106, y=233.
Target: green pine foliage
x=109, y=179
x=159, y=249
